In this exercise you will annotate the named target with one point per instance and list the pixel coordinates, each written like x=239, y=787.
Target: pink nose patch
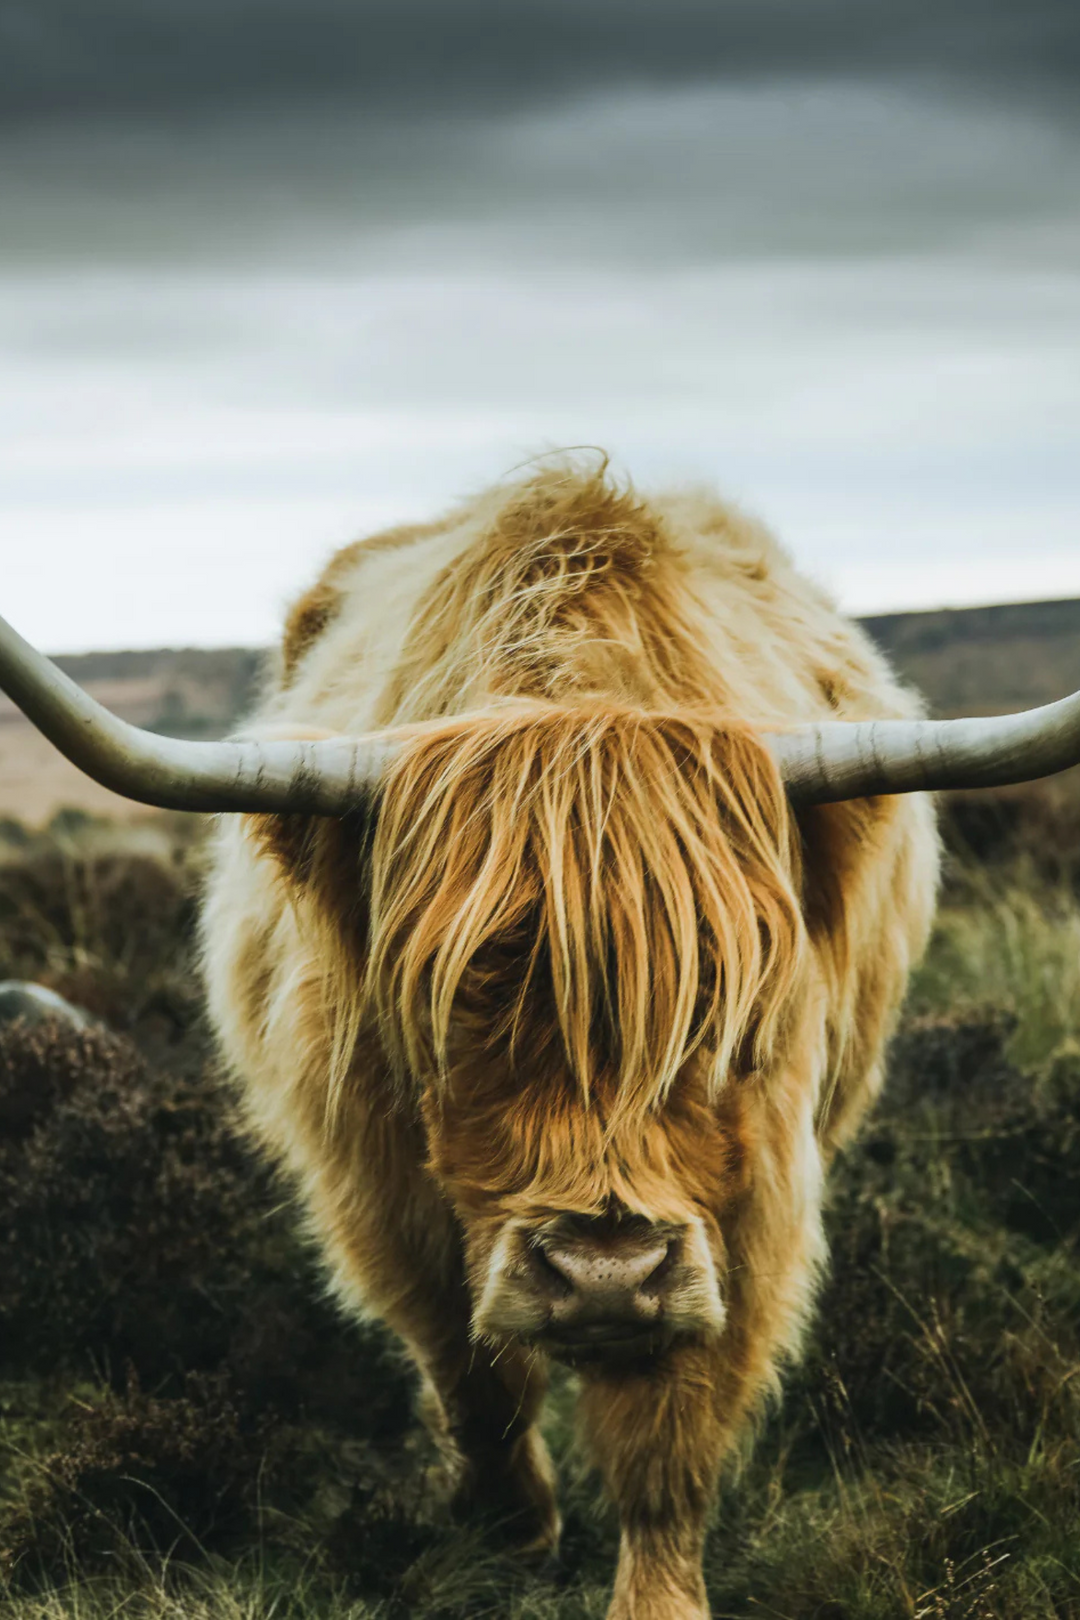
x=603, y=1271
x=615, y=1280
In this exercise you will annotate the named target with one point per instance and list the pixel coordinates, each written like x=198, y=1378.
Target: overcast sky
x=275, y=272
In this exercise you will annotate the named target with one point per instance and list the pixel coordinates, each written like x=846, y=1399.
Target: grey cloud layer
x=275, y=271
x=652, y=178
x=71, y=58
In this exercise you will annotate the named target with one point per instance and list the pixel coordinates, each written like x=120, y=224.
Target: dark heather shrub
x=1033, y=827
x=140, y=1476
x=109, y=930
x=136, y=1229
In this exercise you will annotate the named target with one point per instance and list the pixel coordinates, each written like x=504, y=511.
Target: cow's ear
x=838, y=840
x=328, y=853
x=324, y=863
x=290, y=842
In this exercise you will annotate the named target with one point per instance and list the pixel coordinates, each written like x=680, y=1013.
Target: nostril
x=548, y=1274
x=654, y=1282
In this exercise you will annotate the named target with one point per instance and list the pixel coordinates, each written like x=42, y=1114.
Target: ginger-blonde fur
x=580, y=953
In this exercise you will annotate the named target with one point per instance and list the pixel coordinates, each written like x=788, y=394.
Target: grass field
x=188, y=1429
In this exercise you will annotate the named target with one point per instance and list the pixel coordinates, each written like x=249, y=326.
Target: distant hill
x=985, y=660
x=966, y=661
x=184, y=692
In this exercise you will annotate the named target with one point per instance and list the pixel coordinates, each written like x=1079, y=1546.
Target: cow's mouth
x=603, y=1342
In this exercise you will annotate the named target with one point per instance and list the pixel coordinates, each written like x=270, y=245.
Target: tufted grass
x=1008, y=945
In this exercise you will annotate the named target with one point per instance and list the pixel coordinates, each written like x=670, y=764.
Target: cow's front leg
x=659, y=1435
x=482, y=1409
x=395, y=1252
x=481, y=1404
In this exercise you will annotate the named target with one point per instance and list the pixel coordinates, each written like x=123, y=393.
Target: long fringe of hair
x=615, y=886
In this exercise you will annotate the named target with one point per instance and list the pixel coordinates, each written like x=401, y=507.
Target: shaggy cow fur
x=579, y=957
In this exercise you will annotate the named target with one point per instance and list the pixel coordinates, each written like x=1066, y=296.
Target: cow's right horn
x=327, y=777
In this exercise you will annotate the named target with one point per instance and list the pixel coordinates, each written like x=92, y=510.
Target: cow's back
x=431, y=620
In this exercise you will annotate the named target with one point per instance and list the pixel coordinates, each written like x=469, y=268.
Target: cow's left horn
x=843, y=759
x=327, y=777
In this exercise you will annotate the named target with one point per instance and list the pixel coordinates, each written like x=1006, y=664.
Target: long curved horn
x=327, y=777
x=843, y=759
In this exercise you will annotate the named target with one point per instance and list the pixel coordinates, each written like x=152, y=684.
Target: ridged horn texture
x=327, y=777
x=820, y=764
x=843, y=759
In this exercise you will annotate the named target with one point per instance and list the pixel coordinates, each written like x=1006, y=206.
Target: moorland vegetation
x=189, y=1429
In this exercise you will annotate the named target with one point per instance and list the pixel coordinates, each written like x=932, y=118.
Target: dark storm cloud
x=119, y=57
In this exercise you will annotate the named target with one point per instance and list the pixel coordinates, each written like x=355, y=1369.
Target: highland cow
x=559, y=1037
x=556, y=940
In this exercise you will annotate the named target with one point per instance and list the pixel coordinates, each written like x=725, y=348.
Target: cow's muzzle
x=588, y=1288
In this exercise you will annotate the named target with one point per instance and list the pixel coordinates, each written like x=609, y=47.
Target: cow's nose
x=604, y=1280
